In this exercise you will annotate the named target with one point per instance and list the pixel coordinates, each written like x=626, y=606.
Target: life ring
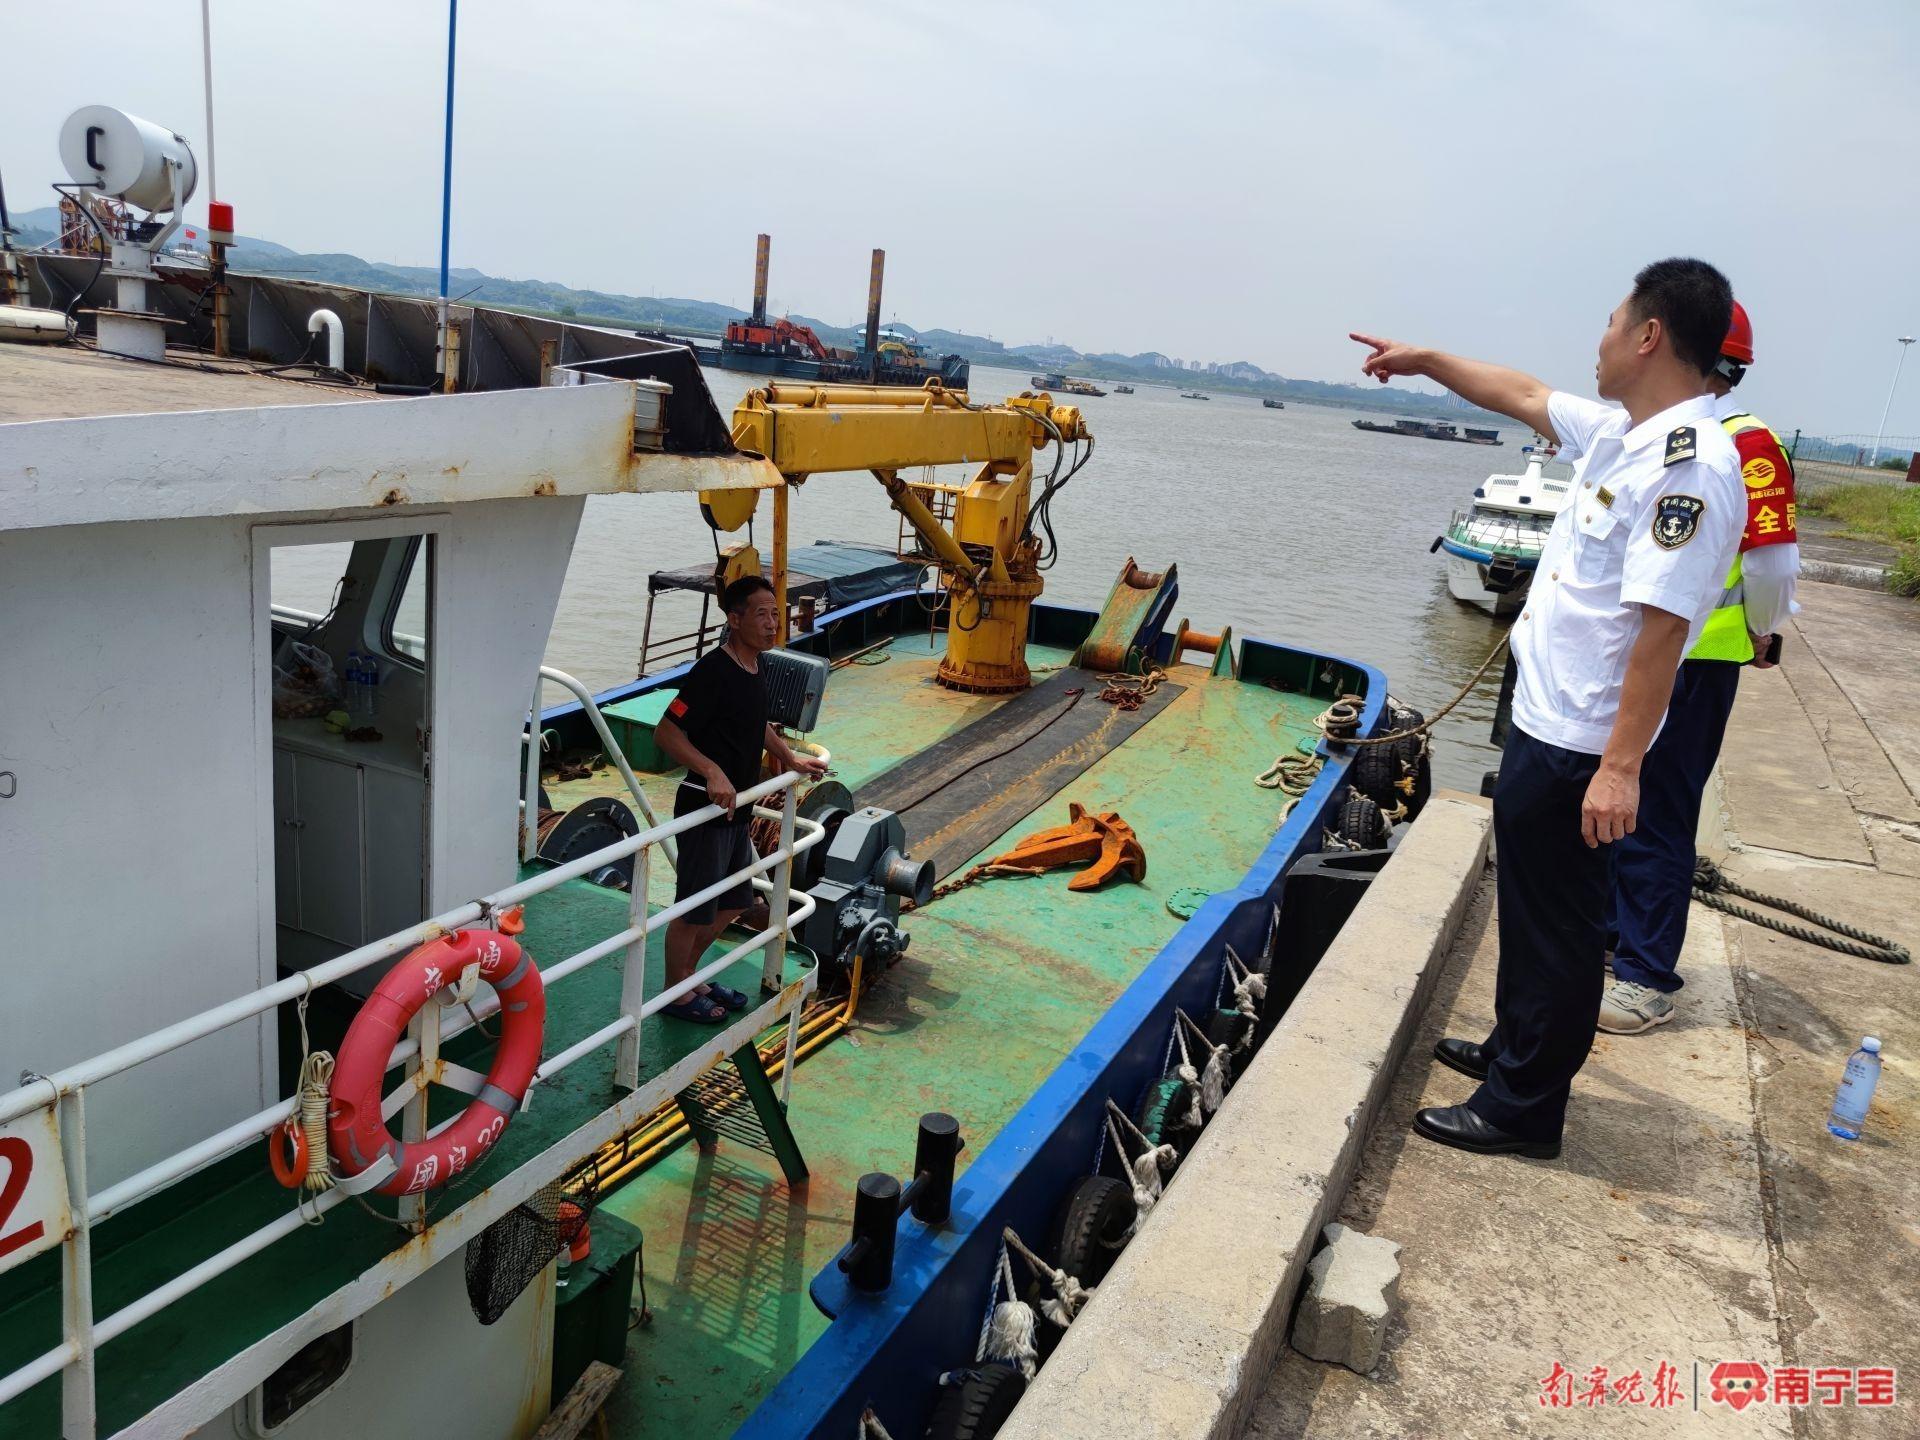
x=289, y=1169
x=357, y=1135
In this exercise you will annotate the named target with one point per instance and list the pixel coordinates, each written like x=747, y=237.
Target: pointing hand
x=1389, y=357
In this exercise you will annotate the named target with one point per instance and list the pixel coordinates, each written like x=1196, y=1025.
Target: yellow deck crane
x=1000, y=539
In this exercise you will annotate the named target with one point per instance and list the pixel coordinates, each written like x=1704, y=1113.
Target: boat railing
x=60, y=1099
x=1488, y=532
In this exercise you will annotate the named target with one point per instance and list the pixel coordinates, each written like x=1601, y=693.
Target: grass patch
x=1876, y=512
x=1871, y=512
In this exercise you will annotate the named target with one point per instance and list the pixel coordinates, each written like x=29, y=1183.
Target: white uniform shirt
x=1768, y=575
x=1656, y=518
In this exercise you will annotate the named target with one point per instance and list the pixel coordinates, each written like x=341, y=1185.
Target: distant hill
x=708, y=318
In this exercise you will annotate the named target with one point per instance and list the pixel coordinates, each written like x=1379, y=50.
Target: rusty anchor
x=1104, y=839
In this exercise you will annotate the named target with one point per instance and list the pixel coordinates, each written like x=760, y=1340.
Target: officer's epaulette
x=1679, y=444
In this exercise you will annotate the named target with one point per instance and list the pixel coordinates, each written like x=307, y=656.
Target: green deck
x=1001, y=981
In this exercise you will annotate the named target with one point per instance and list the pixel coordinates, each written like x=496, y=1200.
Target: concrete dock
x=1700, y=1213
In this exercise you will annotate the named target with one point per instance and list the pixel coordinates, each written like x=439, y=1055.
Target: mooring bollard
x=867, y=1261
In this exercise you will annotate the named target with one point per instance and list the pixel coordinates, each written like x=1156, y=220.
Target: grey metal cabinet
x=349, y=838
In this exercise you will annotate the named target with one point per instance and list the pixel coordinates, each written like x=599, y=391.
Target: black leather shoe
x=1463, y=1129
x=1466, y=1056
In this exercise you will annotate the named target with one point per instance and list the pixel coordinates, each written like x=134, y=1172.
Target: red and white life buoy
x=357, y=1135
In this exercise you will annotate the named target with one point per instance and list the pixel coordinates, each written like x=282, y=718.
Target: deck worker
x=1653, y=867
x=717, y=727
x=1629, y=574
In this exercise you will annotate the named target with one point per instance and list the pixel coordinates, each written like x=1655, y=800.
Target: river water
x=1286, y=524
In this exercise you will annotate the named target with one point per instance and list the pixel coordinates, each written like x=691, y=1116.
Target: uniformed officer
x=1627, y=578
x=1653, y=867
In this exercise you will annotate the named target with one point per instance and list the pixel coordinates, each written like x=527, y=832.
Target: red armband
x=1767, y=474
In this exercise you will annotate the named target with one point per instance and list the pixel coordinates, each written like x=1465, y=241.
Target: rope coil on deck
x=1124, y=692
x=1711, y=885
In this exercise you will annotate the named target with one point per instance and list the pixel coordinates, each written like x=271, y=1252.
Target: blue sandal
x=696, y=1008
x=728, y=997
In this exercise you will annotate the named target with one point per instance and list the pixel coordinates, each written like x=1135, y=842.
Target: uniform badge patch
x=1675, y=519
x=1680, y=445
x=1604, y=496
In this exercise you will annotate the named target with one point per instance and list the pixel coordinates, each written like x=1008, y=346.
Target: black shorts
x=709, y=853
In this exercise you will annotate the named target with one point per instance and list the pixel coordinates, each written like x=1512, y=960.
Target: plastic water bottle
x=1849, y=1113
x=369, y=687
x=355, y=687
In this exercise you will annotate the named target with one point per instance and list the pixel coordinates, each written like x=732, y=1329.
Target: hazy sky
x=1213, y=181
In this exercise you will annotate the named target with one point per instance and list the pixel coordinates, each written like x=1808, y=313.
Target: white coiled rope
x=310, y=1110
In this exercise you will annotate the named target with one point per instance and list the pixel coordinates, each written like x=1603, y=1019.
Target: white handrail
x=44, y=1089
x=613, y=752
x=67, y=1087
x=241, y=1133
x=85, y=1334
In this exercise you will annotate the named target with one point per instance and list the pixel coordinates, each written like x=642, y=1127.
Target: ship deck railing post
x=77, y=1416
x=530, y=781
x=633, y=979
x=424, y=1029
x=773, y=958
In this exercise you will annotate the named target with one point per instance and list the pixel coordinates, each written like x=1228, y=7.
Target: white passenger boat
x=1493, y=546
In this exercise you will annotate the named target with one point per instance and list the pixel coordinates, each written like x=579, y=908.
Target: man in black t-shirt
x=717, y=727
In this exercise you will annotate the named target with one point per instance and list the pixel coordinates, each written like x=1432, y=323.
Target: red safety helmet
x=1738, y=346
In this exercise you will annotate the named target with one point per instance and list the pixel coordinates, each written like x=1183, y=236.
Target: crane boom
x=990, y=558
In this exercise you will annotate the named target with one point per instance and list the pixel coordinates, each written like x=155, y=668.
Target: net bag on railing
x=512, y=1251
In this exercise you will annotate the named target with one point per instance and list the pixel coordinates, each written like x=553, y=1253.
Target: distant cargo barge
x=1064, y=385
x=1433, y=430
x=764, y=345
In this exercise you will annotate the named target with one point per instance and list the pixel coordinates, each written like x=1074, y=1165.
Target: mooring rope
x=1146, y=1171
x=1213, y=1076
x=1069, y=1295
x=1010, y=1336
x=1344, y=713
x=1709, y=880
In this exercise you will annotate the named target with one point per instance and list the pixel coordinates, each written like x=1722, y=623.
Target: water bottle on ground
x=1849, y=1113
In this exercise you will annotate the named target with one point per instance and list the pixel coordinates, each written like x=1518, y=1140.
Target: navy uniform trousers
x=1552, y=892
x=1653, y=867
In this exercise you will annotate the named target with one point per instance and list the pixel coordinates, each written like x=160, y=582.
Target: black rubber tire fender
x=1373, y=772
x=1091, y=1228
x=1167, y=1099
x=1414, y=753
x=978, y=1406
x=1418, y=758
x=1360, y=821
x=1227, y=1025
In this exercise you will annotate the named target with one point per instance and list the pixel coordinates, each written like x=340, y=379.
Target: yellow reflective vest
x=1726, y=635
